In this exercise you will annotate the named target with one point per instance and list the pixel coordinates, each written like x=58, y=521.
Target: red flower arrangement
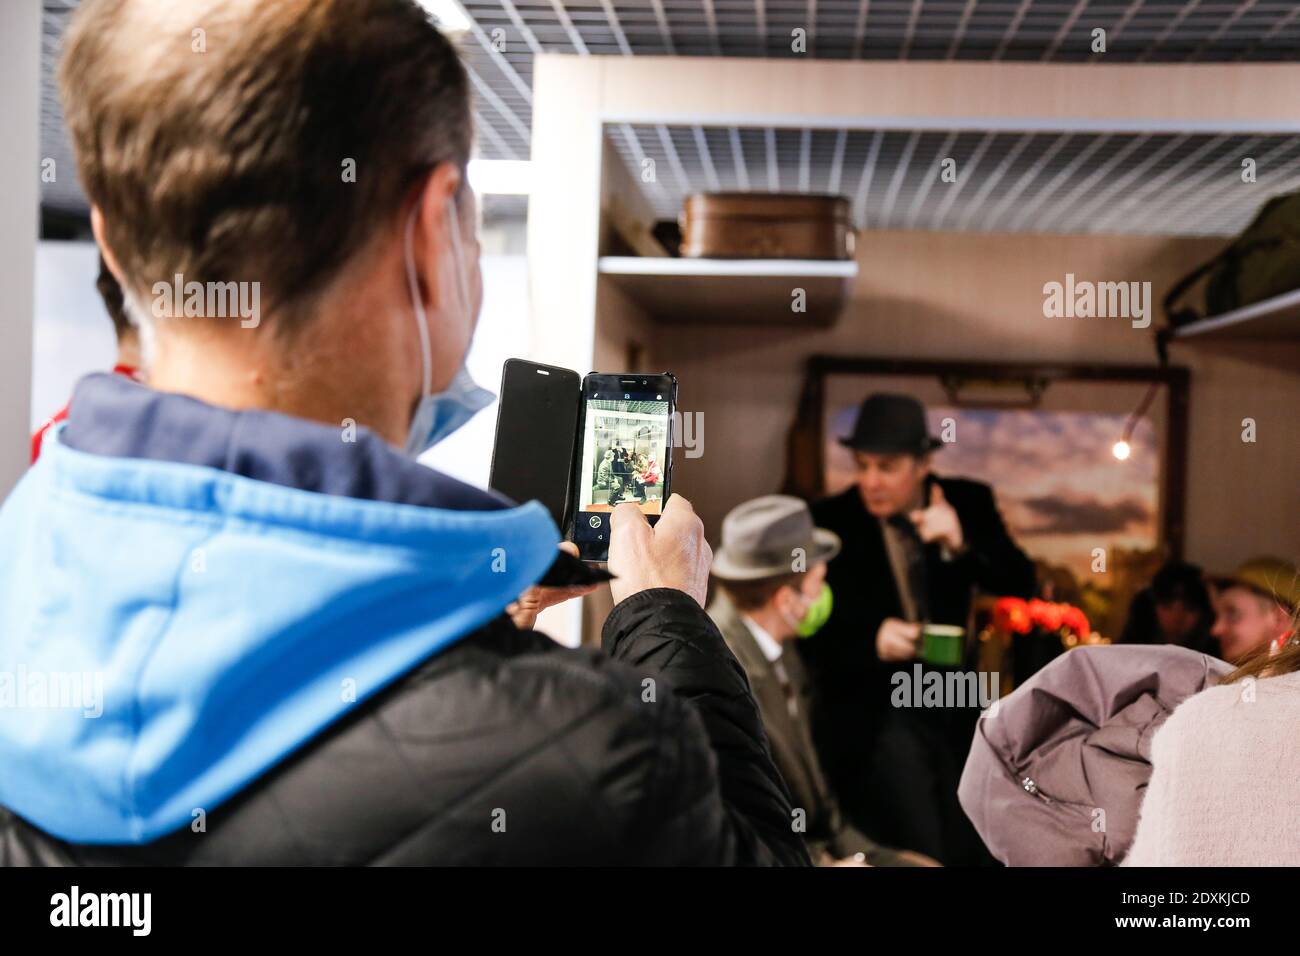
x=1016, y=616
x=1030, y=634
x=1011, y=616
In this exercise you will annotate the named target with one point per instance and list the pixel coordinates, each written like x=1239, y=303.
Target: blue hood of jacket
x=170, y=631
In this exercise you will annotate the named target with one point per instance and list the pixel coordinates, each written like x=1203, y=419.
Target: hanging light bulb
x=1122, y=449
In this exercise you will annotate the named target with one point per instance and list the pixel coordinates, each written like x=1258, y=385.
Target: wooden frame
x=805, y=460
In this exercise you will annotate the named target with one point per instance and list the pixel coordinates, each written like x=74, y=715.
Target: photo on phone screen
x=626, y=448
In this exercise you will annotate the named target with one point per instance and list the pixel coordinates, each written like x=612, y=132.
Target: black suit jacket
x=852, y=684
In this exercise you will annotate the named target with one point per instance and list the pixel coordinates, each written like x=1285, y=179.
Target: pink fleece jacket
x=1225, y=767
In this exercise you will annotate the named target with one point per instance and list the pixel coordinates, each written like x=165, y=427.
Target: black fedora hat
x=891, y=424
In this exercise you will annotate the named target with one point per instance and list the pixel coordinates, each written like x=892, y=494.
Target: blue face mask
x=441, y=413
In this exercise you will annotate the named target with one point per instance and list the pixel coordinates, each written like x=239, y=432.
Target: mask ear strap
x=462, y=282
x=421, y=321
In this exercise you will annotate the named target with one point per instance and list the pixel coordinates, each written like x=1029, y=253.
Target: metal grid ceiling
x=64, y=194
x=1045, y=30
x=1179, y=184
x=1137, y=31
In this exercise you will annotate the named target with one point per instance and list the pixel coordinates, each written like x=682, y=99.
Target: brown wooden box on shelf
x=766, y=226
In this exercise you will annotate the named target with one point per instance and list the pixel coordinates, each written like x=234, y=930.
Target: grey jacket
x=1056, y=774
x=789, y=736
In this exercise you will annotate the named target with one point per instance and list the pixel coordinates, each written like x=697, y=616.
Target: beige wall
x=967, y=296
x=20, y=171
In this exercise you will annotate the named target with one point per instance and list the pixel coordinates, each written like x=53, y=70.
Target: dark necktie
x=918, y=579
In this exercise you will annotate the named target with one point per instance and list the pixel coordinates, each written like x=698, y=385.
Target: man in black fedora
x=914, y=549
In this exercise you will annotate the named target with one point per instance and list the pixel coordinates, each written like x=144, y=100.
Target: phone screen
x=536, y=434
x=626, y=453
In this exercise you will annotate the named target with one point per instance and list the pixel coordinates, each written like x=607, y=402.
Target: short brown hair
x=751, y=595
x=227, y=165
x=111, y=293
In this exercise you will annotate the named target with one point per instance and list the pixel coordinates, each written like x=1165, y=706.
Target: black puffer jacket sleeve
x=712, y=794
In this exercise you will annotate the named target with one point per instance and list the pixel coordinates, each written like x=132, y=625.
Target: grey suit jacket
x=789, y=735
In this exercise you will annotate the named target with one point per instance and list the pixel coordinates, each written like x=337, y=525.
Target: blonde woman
x=1224, y=770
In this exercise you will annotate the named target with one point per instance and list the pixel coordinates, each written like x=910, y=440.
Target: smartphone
x=537, y=417
x=625, y=454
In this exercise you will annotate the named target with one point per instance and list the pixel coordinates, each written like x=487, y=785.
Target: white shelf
x=1275, y=318
x=733, y=291
x=669, y=266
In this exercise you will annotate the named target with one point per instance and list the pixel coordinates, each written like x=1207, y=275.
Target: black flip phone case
x=572, y=426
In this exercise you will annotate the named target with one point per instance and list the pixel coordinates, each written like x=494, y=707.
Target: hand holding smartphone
x=582, y=450
x=673, y=554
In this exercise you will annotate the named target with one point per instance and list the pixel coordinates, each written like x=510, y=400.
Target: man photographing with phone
x=303, y=601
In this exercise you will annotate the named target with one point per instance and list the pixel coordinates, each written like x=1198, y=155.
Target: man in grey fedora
x=771, y=568
x=915, y=548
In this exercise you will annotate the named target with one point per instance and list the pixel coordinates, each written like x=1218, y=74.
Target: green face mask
x=818, y=611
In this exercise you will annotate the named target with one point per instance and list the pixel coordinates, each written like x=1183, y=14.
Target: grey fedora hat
x=765, y=537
